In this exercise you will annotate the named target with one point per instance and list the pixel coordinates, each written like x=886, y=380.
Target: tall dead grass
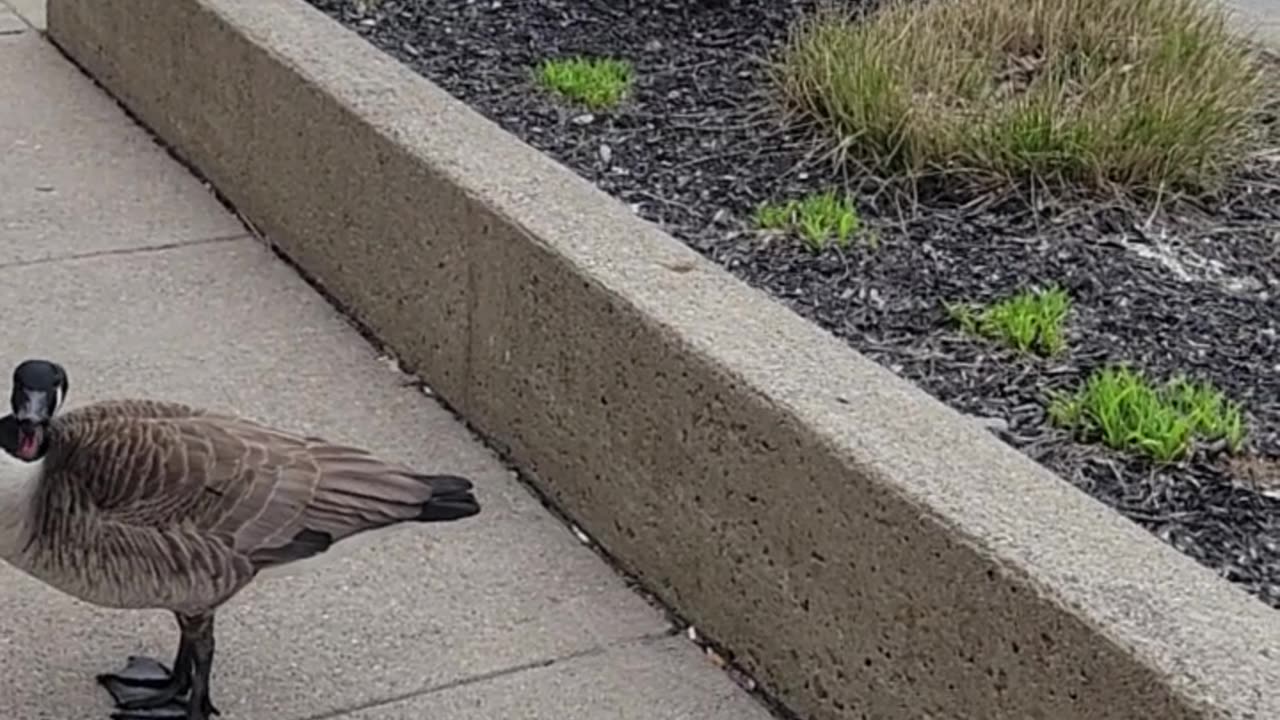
x=1140, y=94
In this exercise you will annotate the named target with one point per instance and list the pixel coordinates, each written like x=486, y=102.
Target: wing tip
x=452, y=498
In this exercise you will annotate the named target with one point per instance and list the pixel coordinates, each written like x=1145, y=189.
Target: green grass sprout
x=1029, y=321
x=1123, y=409
x=820, y=219
x=597, y=83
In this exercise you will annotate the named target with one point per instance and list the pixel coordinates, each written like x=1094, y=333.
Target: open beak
x=30, y=437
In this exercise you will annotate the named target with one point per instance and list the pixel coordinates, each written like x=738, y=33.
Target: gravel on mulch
x=697, y=147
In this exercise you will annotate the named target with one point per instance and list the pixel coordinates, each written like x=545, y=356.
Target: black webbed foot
x=147, y=690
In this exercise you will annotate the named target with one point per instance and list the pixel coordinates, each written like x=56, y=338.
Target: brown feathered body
x=144, y=504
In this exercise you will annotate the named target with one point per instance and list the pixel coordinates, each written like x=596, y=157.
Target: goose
x=148, y=504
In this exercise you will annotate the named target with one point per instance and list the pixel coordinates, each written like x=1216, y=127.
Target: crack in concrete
x=125, y=251
x=491, y=675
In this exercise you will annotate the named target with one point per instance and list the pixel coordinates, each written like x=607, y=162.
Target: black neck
x=9, y=434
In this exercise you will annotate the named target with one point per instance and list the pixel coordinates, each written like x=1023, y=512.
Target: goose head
x=39, y=389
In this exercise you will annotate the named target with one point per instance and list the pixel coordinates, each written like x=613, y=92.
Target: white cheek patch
x=57, y=399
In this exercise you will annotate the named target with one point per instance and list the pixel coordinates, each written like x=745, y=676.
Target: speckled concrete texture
x=32, y=11
x=862, y=549
x=617, y=684
x=489, y=607
x=10, y=23
x=58, y=139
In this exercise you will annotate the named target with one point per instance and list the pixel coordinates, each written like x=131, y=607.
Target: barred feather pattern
x=146, y=504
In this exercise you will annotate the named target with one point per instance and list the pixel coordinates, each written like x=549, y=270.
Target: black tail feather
x=451, y=499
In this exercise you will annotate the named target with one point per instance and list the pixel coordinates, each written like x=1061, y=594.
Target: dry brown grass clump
x=1134, y=94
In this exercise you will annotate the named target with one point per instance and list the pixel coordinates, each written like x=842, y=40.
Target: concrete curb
x=862, y=549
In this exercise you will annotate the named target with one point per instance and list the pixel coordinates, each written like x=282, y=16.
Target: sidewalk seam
x=492, y=675
x=22, y=18
x=127, y=251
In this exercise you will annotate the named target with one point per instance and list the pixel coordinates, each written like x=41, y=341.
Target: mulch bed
x=697, y=148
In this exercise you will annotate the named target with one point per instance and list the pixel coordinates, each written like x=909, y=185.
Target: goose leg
x=200, y=628
x=147, y=690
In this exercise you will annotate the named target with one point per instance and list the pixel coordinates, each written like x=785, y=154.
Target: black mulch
x=696, y=149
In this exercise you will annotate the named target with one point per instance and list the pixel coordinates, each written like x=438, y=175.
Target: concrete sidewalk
x=1258, y=18
x=122, y=266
